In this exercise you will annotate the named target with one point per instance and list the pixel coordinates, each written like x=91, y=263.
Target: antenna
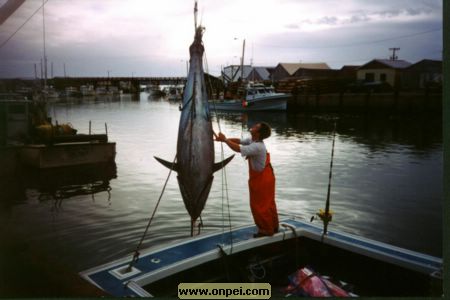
x=394, y=57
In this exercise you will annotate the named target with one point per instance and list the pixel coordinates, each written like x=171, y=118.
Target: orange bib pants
x=262, y=198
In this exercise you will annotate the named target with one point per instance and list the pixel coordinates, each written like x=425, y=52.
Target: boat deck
x=155, y=264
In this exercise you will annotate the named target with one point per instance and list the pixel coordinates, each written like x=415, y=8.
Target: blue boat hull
x=184, y=256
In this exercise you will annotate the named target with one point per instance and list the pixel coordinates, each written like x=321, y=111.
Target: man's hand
x=220, y=138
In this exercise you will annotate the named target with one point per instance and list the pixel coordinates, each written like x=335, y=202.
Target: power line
x=14, y=33
x=355, y=44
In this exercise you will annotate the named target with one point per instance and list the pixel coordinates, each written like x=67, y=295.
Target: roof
x=393, y=64
x=263, y=72
x=349, y=68
x=429, y=62
x=291, y=68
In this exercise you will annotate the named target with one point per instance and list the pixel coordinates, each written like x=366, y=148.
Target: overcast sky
x=152, y=38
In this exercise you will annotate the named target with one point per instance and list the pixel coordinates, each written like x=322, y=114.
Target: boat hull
x=269, y=103
x=159, y=264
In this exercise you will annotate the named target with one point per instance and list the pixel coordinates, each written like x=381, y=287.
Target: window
x=383, y=77
x=370, y=77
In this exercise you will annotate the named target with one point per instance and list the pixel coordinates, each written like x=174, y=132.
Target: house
x=383, y=70
x=348, y=72
x=284, y=70
x=314, y=71
x=233, y=73
x=259, y=74
x=423, y=74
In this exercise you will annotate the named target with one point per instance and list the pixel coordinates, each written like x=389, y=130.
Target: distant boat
x=87, y=90
x=71, y=92
x=175, y=93
x=254, y=97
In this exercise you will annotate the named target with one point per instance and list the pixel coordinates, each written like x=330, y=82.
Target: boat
x=46, y=145
x=371, y=267
x=253, y=97
x=175, y=92
x=87, y=90
x=80, y=150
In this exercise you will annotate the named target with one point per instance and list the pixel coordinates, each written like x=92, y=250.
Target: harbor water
x=386, y=185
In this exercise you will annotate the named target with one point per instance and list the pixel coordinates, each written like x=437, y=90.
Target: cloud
x=146, y=37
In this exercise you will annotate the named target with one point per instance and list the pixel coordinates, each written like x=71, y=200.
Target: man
x=261, y=177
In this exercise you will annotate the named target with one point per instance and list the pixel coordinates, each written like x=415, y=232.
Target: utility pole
x=45, y=54
x=394, y=57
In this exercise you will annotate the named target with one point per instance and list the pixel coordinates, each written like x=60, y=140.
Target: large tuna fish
x=195, y=148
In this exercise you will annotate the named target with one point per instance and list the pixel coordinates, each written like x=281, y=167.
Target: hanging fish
x=195, y=147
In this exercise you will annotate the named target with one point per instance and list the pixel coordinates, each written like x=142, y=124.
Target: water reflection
x=421, y=132
x=57, y=184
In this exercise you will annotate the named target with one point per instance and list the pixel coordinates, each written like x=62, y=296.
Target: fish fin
x=172, y=166
x=219, y=165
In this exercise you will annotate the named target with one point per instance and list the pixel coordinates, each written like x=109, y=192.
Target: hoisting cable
x=327, y=215
x=136, y=252
x=224, y=173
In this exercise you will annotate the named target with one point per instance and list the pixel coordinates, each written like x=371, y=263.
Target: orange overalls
x=262, y=198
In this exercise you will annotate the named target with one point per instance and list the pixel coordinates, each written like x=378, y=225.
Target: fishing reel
x=324, y=216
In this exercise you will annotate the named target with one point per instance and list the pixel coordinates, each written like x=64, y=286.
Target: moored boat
x=253, y=97
x=39, y=143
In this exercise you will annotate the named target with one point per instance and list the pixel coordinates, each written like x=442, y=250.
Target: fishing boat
x=175, y=93
x=253, y=97
x=46, y=145
x=372, y=268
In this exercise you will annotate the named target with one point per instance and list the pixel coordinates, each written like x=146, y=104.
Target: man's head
x=260, y=131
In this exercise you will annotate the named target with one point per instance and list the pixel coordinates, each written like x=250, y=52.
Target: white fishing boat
x=253, y=97
x=372, y=268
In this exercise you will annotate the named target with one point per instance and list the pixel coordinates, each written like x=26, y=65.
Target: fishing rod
x=327, y=214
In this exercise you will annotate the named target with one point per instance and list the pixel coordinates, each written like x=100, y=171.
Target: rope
x=224, y=173
x=20, y=27
x=136, y=252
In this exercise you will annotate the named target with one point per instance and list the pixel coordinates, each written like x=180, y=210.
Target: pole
x=45, y=54
x=42, y=70
x=327, y=204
